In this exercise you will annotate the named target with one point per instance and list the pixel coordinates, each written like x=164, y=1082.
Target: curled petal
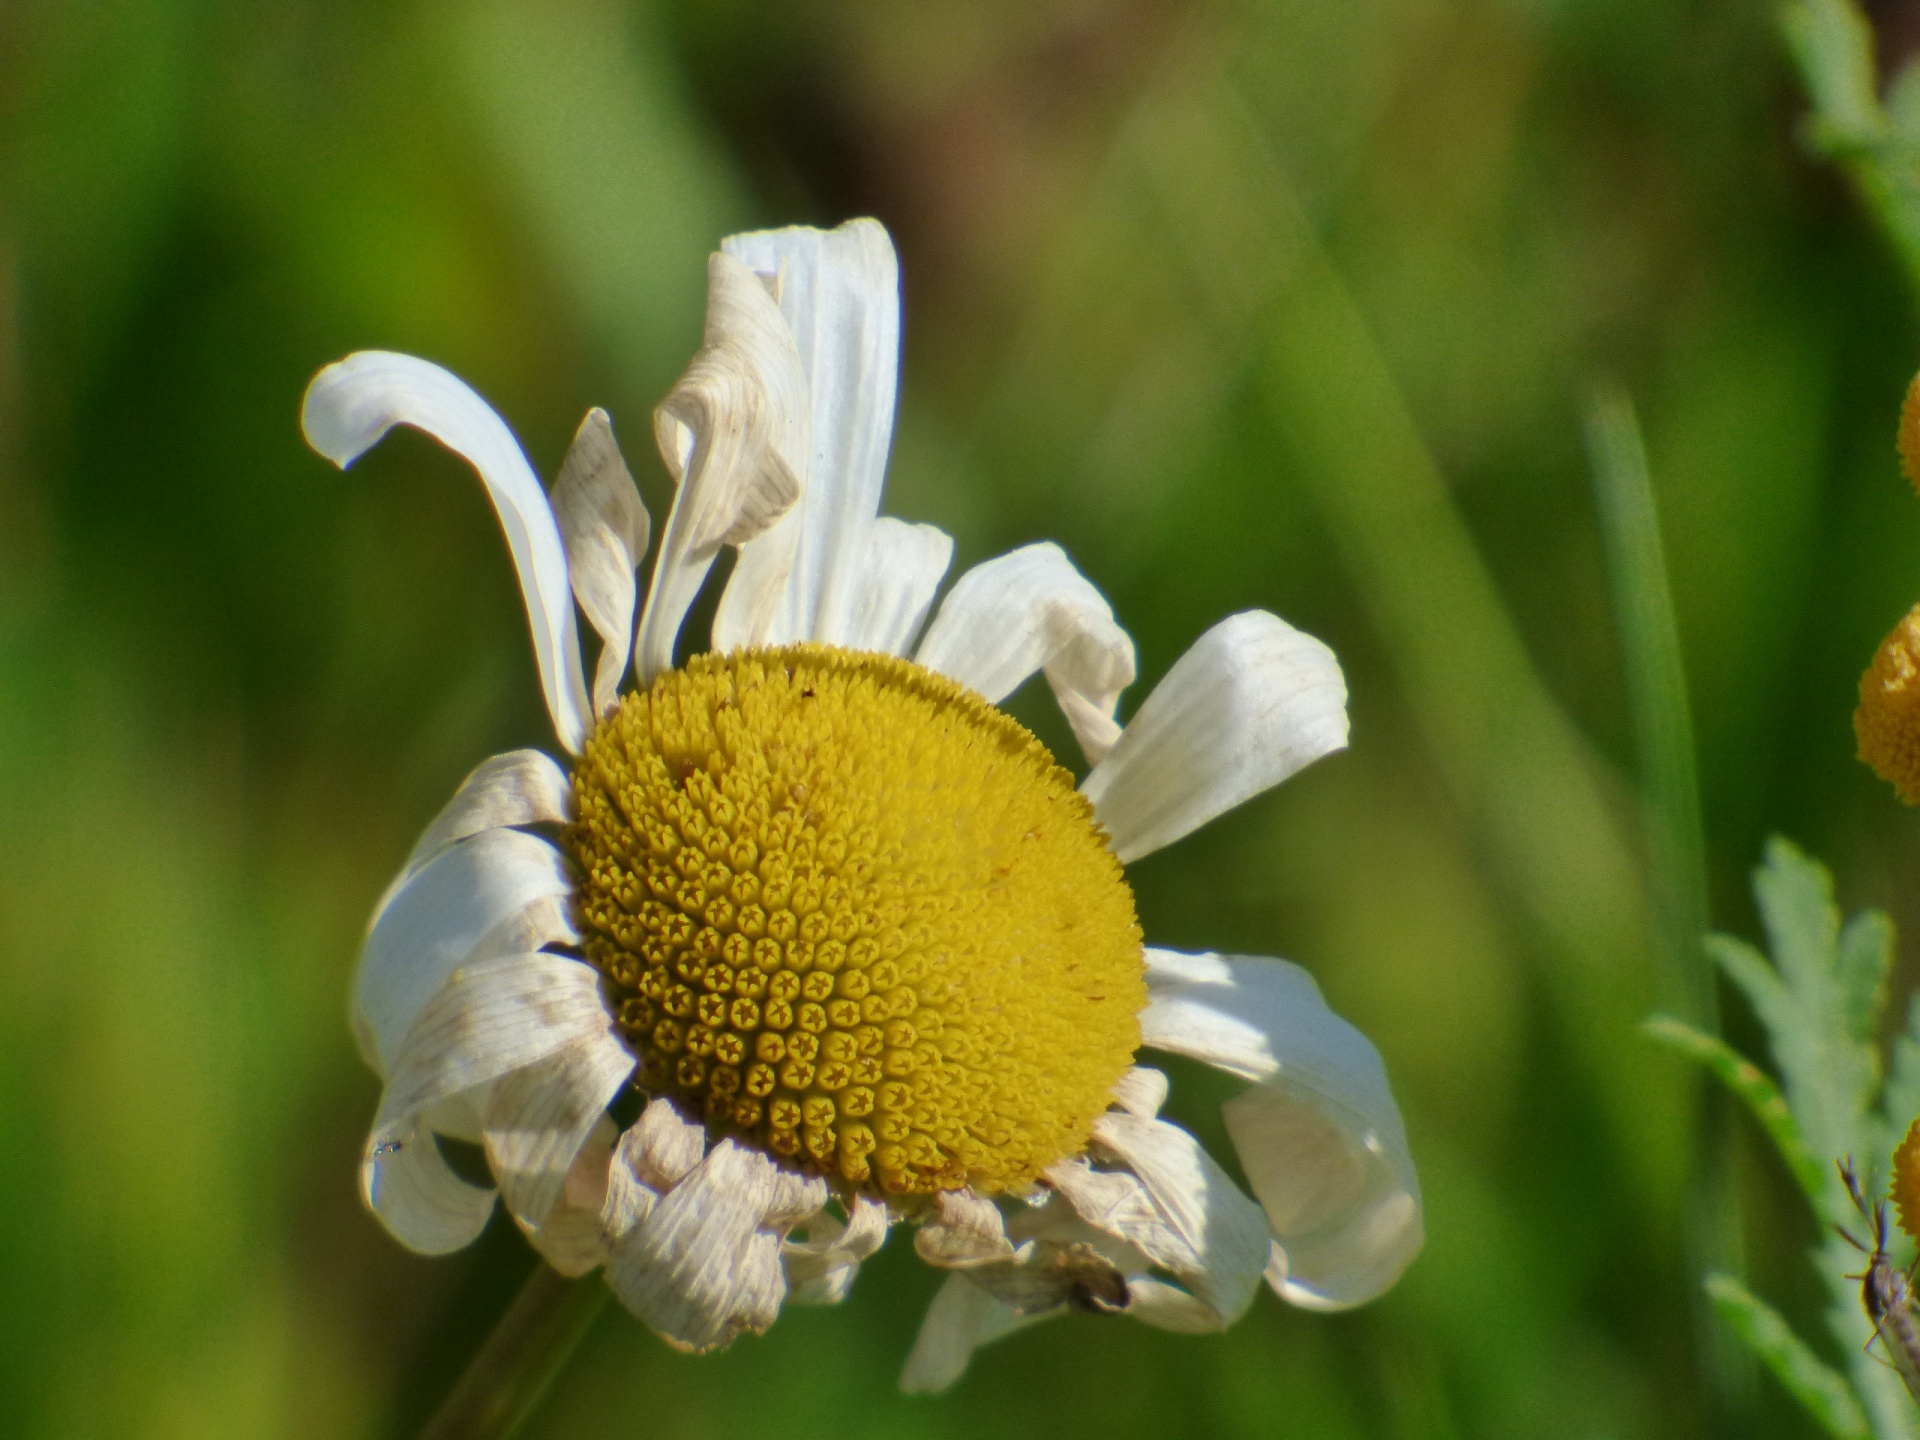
x=538, y=1117
x=822, y=1266
x=732, y=434
x=437, y=920
x=704, y=1264
x=605, y=529
x=487, y=1020
x=572, y=1238
x=1029, y=610
x=1175, y=1205
x=407, y=1183
x=355, y=401
x=521, y=787
x=965, y=1229
x=1252, y=702
x=1141, y=1091
x=1318, y=1134
x=839, y=291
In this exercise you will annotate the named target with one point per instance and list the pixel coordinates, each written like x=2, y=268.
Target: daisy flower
x=836, y=940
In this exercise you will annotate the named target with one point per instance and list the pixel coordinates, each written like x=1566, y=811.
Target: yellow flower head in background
x=1887, y=723
x=811, y=939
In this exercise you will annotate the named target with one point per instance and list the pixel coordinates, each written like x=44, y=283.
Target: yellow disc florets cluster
x=1887, y=724
x=854, y=914
x=1906, y=1181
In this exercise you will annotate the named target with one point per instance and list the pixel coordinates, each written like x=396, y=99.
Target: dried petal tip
x=1906, y=1181
x=1910, y=433
x=1888, y=720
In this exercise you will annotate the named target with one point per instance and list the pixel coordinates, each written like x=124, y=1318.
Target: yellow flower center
x=856, y=915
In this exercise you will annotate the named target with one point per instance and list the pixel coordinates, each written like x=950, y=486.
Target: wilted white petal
x=964, y=1229
x=521, y=787
x=656, y=1154
x=704, y=1265
x=1029, y=610
x=538, y=1117
x=904, y=566
x=426, y=1207
x=961, y=1319
x=489, y=1019
x=1168, y=1307
x=1253, y=701
x=731, y=432
x=1187, y=1216
x=1319, y=1135
x=840, y=293
x=545, y=921
x=1141, y=1091
x=572, y=1239
x=435, y=922
x=822, y=1266
x=604, y=527
x=355, y=401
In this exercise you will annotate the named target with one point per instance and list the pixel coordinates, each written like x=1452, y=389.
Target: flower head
x=863, y=953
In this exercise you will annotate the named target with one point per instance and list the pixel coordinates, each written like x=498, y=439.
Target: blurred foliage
x=1821, y=996
x=1247, y=302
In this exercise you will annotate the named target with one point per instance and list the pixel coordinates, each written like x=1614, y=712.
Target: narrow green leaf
x=1815, y=1384
x=1754, y=1087
x=1657, y=694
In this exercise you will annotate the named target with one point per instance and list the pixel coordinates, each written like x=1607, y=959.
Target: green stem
x=526, y=1350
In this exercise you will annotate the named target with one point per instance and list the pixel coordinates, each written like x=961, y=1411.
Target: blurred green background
x=1287, y=304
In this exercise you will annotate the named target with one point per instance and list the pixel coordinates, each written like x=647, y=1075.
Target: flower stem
x=526, y=1350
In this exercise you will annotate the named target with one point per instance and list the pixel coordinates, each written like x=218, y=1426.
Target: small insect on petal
x=1886, y=1289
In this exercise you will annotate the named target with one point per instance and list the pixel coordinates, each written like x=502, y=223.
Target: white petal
x=521, y=787
x=424, y=1204
x=840, y=293
x=1168, y=1307
x=572, y=1239
x=1029, y=610
x=355, y=401
x=903, y=569
x=1141, y=1091
x=537, y=1118
x=704, y=1265
x=756, y=592
x=1319, y=1135
x=656, y=1154
x=1176, y=1205
x=489, y=1019
x=961, y=1319
x=1253, y=701
x=965, y=1229
x=436, y=921
x=731, y=432
x=605, y=528
x=821, y=1268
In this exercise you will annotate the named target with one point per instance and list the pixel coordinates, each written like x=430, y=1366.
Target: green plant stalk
x=528, y=1347
x=1669, y=787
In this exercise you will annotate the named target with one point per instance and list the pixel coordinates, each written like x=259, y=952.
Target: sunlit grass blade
x=1657, y=693
x=1812, y=1382
x=1756, y=1091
